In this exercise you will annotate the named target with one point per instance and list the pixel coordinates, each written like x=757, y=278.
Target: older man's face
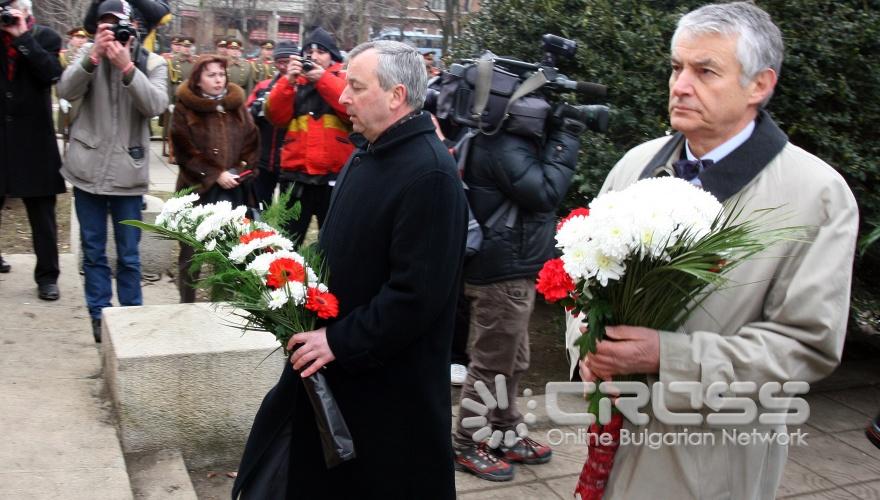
x=368, y=105
x=706, y=100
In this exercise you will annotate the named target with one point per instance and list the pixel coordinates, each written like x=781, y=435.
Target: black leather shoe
x=873, y=431
x=48, y=291
x=4, y=266
x=96, y=329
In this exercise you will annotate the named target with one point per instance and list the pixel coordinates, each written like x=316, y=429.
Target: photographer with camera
x=271, y=137
x=305, y=102
x=146, y=16
x=121, y=86
x=29, y=159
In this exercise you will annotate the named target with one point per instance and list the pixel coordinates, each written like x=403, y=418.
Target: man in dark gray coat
x=29, y=159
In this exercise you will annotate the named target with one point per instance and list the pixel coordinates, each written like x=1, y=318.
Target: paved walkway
x=59, y=441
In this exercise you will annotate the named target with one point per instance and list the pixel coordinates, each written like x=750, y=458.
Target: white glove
x=171, y=108
x=64, y=104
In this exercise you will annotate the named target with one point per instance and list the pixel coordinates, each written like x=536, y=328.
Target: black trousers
x=41, y=215
x=264, y=187
x=314, y=201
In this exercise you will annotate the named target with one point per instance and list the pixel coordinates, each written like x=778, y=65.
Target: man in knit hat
x=306, y=103
x=271, y=137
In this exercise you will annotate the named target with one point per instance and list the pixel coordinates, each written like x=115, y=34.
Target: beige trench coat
x=783, y=319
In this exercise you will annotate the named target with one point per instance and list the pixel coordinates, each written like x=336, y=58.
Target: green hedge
x=827, y=100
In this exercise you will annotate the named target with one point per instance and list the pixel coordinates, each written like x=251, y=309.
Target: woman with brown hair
x=216, y=144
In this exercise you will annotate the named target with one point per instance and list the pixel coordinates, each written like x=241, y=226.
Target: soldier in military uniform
x=239, y=71
x=76, y=38
x=264, y=65
x=179, y=68
x=221, y=47
x=175, y=48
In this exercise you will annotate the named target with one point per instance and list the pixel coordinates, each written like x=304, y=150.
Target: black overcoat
x=394, y=244
x=29, y=159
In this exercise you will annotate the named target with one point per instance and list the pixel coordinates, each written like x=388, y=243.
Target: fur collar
x=233, y=100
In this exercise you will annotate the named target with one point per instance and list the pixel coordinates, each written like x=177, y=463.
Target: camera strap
x=485, y=68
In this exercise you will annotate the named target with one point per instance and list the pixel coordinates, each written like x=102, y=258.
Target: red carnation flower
x=324, y=304
x=283, y=270
x=580, y=211
x=718, y=267
x=255, y=235
x=553, y=282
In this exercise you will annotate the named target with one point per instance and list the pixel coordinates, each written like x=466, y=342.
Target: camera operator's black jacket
x=532, y=176
x=29, y=158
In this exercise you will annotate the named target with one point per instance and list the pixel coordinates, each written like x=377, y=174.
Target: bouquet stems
x=336, y=440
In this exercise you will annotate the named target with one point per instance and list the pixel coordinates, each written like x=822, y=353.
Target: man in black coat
x=394, y=244
x=29, y=159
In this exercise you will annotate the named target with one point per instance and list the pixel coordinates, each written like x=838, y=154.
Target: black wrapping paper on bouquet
x=336, y=440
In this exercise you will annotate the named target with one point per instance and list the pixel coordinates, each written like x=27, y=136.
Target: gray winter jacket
x=109, y=149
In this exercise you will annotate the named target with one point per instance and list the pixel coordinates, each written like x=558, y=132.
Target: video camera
x=6, y=17
x=518, y=96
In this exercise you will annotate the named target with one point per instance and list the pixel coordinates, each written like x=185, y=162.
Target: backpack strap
x=485, y=68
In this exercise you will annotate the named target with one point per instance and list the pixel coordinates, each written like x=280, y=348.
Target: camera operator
x=532, y=178
x=305, y=102
x=29, y=159
x=271, y=137
x=121, y=86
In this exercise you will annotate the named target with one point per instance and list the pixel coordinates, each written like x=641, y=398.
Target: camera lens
x=6, y=17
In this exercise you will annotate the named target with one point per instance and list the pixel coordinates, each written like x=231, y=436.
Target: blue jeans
x=92, y=210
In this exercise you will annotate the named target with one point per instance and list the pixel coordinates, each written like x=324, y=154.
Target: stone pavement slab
x=59, y=438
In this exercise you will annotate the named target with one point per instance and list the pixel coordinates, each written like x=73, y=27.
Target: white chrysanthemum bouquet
x=644, y=256
x=255, y=269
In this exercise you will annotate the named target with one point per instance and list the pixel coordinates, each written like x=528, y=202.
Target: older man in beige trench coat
x=786, y=317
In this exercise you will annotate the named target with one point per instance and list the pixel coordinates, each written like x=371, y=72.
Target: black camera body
x=6, y=17
x=527, y=115
x=307, y=65
x=123, y=31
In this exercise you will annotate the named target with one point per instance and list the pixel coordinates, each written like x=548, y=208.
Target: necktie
x=689, y=169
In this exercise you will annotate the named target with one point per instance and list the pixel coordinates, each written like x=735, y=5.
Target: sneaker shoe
x=96, y=329
x=873, y=431
x=526, y=451
x=479, y=461
x=4, y=266
x=457, y=373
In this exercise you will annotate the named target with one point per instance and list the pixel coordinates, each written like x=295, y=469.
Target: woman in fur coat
x=216, y=143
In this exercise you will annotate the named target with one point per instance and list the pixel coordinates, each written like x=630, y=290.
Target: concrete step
x=159, y=475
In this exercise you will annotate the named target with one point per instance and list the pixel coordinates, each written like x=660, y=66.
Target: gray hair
x=399, y=63
x=759, y=44
x=24, y=6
